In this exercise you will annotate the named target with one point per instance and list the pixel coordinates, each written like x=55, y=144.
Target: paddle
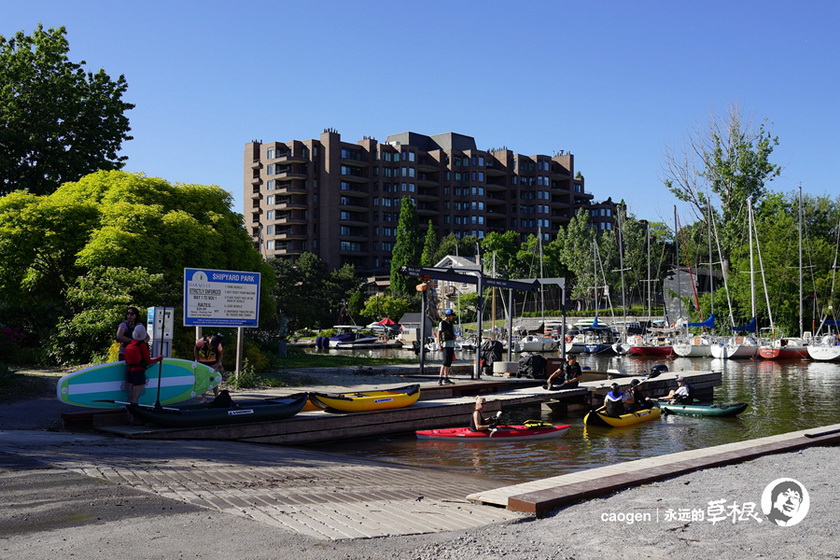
x=160, y=373
x=494, y=422
x=158, y=407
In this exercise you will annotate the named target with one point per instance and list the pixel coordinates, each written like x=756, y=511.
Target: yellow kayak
x=366, y=401
x=600, y=418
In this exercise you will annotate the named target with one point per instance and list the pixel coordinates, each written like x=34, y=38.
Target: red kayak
x=502, y=433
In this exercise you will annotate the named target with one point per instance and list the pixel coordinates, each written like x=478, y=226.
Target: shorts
x=448, y=356
x=136, y=377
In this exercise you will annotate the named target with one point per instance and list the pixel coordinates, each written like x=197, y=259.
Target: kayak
x=367, y=401
x=501, y=433
x=699, y=409
x=600, y=418
x=199, y=415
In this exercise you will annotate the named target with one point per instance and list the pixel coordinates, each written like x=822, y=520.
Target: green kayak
x=700, y=409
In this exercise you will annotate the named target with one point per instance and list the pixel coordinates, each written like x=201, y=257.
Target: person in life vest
x=208, y=351
x=614, y=401
x=137, y=359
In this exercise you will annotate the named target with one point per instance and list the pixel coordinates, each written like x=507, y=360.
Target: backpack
x=132, y=354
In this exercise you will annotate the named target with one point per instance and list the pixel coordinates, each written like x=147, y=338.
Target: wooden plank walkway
x=321, y=427
x=542, y=496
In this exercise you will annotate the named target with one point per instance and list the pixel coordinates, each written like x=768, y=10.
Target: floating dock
x=440, y=406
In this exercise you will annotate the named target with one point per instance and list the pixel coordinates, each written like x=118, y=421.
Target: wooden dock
x=440, y=406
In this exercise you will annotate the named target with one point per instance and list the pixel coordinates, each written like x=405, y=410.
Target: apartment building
x=341, y=200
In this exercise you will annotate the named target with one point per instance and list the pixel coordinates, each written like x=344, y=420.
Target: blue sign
x=221, y=298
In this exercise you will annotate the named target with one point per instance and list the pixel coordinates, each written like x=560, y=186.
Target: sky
x=616, y=83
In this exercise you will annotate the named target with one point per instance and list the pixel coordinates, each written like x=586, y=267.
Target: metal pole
x=423, y=331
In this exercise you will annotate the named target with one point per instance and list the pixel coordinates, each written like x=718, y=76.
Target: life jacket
x=206, y=352
x=133, y=355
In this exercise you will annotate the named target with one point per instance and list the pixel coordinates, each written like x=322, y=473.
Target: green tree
x=452, y=245
x=407, y=249
x=430, y=246
x=57, y=123
x=71, y=261
x=731, y=159
x=380, y=306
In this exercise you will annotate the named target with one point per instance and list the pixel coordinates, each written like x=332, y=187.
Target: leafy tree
x=573, y=248
x=452, y=245
x=380, y=306
x=57, y=123
x=78, y=256
x=430, y=246
x=407, y=249
x=312, y=296
x=731, y=160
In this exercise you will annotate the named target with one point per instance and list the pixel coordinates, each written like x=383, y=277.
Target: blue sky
x=614, y=82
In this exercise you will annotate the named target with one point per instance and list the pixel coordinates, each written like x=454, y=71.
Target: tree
x=430, y=246
x=407, y=249
x=379, y=306
x=71, y=261
x=731, y=160
x=57, y=123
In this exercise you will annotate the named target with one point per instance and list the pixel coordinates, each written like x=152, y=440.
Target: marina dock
x=440, y=406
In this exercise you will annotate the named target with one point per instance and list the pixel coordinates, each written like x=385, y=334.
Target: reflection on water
x=783, y=397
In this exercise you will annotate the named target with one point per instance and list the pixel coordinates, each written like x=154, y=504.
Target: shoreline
x=657, y=520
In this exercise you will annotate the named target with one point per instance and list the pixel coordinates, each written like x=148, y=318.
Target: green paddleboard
x=180, y=380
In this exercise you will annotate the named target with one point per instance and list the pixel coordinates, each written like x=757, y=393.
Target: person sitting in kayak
x=478, y=423
x=614, y=401
x=680, y=395
x=639, y=401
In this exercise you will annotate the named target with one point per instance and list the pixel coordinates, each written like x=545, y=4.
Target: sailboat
x=698, y=345
x=787, y=348
x=826, y=348
x=741, y=346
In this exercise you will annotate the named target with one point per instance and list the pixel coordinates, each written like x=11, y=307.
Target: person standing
x=208, y=351
x=125, y=330
x=137, y=360
x=446, y=341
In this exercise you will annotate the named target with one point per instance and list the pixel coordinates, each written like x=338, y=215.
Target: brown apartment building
x=341, y=201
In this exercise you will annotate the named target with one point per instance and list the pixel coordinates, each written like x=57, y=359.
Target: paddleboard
x=180, y=380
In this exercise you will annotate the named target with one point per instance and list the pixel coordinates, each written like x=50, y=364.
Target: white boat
x=349, y=336
x=697, y=346
x=536, y=343
x=734, y=348
x=825, y=348
x=575, y=344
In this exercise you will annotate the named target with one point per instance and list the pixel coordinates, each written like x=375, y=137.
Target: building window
x=269, y=215
x=269, y=153
x=270, y=169
x=270, y=185
x=270, y=200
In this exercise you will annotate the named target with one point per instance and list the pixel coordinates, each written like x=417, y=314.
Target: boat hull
x=650, y=351
x=599, y=418
x=201, y=415
x=367, y=401
x=502, y=433
x=772, y=353
x=714, y=410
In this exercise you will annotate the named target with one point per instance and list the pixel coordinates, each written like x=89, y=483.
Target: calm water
x=783, y=396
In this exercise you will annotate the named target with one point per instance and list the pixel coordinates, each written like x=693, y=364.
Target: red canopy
x=387, y=321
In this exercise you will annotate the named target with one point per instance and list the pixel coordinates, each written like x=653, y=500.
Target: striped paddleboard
x=180, y=380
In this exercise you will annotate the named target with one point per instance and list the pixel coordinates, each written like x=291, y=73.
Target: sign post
x=222, y=298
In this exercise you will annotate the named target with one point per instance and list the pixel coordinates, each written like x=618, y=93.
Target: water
x=783, y=397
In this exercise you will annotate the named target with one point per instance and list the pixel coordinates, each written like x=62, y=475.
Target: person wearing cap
x=680, y=395
x=614, y=401
x=446, y=341
x=571, y=372
x=137, y=359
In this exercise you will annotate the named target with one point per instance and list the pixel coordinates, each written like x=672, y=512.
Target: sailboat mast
x=752, y=266
x=801, y=328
